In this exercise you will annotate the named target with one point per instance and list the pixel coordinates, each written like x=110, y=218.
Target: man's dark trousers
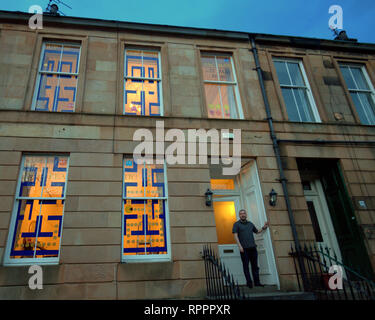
x=250, y=255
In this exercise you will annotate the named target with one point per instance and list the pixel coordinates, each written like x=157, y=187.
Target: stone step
x=254, y=289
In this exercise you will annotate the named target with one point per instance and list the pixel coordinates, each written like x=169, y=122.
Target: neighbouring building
x=73, y=200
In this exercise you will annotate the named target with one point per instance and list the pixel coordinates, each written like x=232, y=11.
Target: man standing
x=243, y=233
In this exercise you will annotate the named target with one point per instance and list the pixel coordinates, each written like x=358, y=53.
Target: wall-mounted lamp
x=273, y=198
x=208, y=194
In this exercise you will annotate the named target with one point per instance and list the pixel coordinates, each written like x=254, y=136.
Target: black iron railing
x=327, y=277
x=220, y=284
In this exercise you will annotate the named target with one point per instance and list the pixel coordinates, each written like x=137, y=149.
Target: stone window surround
x=305, y=76
x=281, y=54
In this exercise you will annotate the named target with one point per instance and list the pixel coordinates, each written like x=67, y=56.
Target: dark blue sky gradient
x=281, y=17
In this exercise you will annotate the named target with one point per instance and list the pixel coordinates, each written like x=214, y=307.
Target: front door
x=350, y=240
x=320, y=217
x=230, y=195
x=226, y=214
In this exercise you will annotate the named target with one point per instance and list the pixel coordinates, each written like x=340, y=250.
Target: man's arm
x=263, y=228
x=238, y=241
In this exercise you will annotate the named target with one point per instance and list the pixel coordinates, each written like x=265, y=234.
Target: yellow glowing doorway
x=225, y=217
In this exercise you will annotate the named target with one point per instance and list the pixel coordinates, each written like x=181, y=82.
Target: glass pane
x=295, y=74
x=56, y=93
x=209, y=68
x=142, y=97
x=70, y=59
x=133, y=63
x=143, y=180
x=290, y=104
x=348, y=77
x=303, y=105
x=359, y=78
x=282, y=73
x=221, y=101
x=314, y=221
x=55, y=177
x=229, y=101
x=365, y=107
x=144, y=227
x=38, y=228
x=151, y=64
x=51, y=58
x=32, y=178
x=66, y=94
x=225, y=68
x=49, y=231
x=222, y=184
x=213, y=100
x=48, y=85
x=225, y=213
x=151, y=90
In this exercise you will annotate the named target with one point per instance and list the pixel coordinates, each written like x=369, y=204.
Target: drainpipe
x=276, y=149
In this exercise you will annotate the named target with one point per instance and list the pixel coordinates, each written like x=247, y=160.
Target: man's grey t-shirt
x=245, y=233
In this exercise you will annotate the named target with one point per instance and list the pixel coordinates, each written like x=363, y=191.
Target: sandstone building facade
x=73, y=200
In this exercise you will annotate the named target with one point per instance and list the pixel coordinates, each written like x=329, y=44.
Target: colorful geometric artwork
x=219, y=86
x=57, y=83
x=37, y=232
x=142, y=83
x=144, y=209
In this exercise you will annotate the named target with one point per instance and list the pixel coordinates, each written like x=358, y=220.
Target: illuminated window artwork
x=220, y=86
x=36, y=226
x=145, y=212
x=142, y=95
x=56, y=85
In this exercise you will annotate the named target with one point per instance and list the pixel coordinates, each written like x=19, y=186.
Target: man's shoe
x=250, y=285
x=259, y=285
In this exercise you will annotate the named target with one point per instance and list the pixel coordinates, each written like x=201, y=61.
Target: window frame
x=146, y=258
x=306, y=87
x=240, y=114
x=40, y=72
x=31, y=261
x=159, y=79
x=369, y=83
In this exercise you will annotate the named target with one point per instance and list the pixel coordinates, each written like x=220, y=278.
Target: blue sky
x=282, y=17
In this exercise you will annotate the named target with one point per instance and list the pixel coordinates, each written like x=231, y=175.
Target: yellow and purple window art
x=220, y=86
x=39, y=207
x=142, y=95
x=56, y=85
x=144, y=209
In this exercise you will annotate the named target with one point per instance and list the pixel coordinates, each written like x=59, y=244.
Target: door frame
x=254, y=173
x=323, y=215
